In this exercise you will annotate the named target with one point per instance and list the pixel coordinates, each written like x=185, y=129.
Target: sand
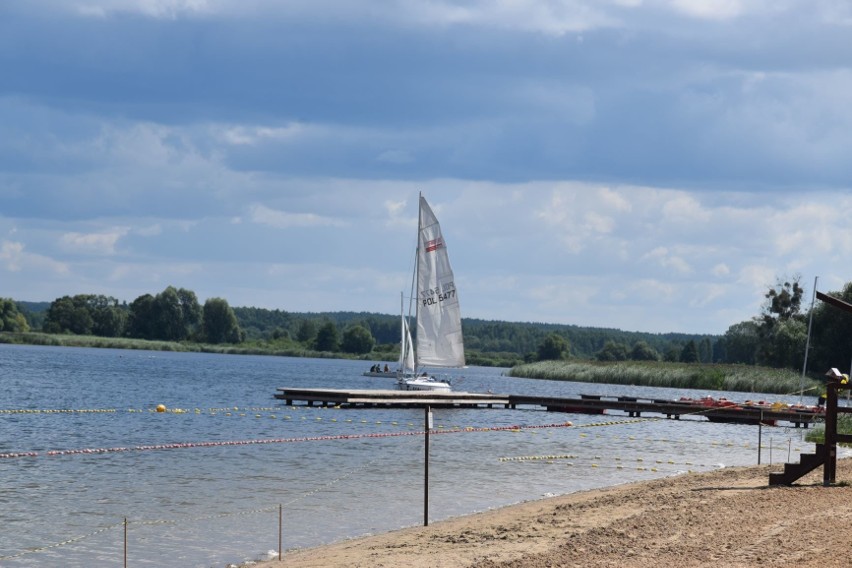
x=727, y=518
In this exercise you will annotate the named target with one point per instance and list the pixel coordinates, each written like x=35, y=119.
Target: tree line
x=172, y=315
x=775, y=337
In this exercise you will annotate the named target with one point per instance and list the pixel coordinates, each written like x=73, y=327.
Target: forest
x=776, y=337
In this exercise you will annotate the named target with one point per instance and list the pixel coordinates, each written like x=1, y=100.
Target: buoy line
x=63, y=543
x=184, y=445
x=155, y=522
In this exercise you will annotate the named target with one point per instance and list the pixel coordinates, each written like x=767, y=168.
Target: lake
x=235, y=454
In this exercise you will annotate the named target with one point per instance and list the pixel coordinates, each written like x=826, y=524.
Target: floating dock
x=717, y=411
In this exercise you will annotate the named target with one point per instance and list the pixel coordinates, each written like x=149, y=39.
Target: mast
x=808, y=342
x=415, y=284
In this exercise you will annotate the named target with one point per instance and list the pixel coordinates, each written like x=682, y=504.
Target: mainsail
x=439, y=331
x=406, y=353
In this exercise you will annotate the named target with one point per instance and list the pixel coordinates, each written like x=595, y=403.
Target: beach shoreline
x=727, y=517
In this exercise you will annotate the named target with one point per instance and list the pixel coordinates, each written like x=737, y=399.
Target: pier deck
x=586, y=404
x=390, y=398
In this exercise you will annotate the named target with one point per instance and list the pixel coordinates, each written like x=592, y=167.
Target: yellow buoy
x=161, y=408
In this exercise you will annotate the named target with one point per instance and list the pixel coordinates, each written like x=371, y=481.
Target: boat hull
x=380, y=374
x=424, y=384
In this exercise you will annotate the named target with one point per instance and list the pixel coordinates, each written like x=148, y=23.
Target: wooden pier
x=370, y=398
x=586, y=404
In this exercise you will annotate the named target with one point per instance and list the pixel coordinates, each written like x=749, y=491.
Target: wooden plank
x=836, y=302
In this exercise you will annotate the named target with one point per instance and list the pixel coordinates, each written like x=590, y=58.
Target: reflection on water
x=205, y=506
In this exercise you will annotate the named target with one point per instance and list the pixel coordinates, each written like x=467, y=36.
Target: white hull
x=423, y=384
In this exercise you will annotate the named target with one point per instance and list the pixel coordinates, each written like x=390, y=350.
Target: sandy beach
x=729, y=517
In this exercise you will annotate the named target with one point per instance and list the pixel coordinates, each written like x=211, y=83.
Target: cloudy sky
x=648, y=165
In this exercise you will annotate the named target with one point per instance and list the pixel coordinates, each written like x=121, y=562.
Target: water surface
x=208, y=506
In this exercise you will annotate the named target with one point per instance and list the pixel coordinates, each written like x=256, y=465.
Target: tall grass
x=844, y=426
x=740, y=378
x=63, y=340
x=281, y=349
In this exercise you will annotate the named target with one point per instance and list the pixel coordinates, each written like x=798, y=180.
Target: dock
x=714, y=411
x=370, y=398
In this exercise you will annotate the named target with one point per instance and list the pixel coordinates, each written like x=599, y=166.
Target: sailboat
x=437, y=312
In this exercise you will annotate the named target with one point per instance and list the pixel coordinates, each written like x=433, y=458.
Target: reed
x=67, y=340
x=844, y=426
x=739, y=378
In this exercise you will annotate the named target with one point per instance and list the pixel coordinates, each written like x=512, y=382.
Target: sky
x=645, y=165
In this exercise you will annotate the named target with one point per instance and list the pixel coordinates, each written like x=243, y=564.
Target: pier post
x=830, y=432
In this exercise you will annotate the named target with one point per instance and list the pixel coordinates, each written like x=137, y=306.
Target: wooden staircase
x=794, y=471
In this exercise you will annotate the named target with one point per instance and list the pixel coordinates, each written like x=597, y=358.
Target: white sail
x=439, y=331
x=406, y=355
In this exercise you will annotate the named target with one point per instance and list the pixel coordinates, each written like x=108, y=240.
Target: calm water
x=209, y=506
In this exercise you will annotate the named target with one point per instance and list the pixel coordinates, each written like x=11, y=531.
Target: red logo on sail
x=434, y=245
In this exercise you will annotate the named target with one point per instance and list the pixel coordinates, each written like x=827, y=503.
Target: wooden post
x=830, y=432
x=125, y=542
x=280, y=530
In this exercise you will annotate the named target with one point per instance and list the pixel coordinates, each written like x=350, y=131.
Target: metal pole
x=770, y=450
x=759, y=436
x=280, y=529
x=807, y=342
x=125, y=542
x=426, y=469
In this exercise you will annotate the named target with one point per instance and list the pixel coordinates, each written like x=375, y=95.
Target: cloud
x=709, y=9
x=721, y=269
x=396, y=157
x=16, y=259
x=663, y=257
x=11, y=253
x=254, y=135
x=102, y=243
x=261, y=214
x=166, y=9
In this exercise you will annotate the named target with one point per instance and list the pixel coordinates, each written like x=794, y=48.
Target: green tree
x=169, y=316
x=832, y=333
x=788, y=344
x=219, y=323
x=672, y=354
x=10, y=318
x=69, y=315
x=328, y=338
x=357, y=339
x=109, y=318
x=307, y=331
x=141, y=321
x=689, y=354
x=554, y=347
x=705, y=350
x=612, y=351
x=191, y=312
x=784, y=300
x=643, y=352
x=782, y=305
x=740, y=343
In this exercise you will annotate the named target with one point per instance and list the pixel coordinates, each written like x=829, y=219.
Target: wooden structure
x=389, y=398
x=586, y=404
x=825, y=454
